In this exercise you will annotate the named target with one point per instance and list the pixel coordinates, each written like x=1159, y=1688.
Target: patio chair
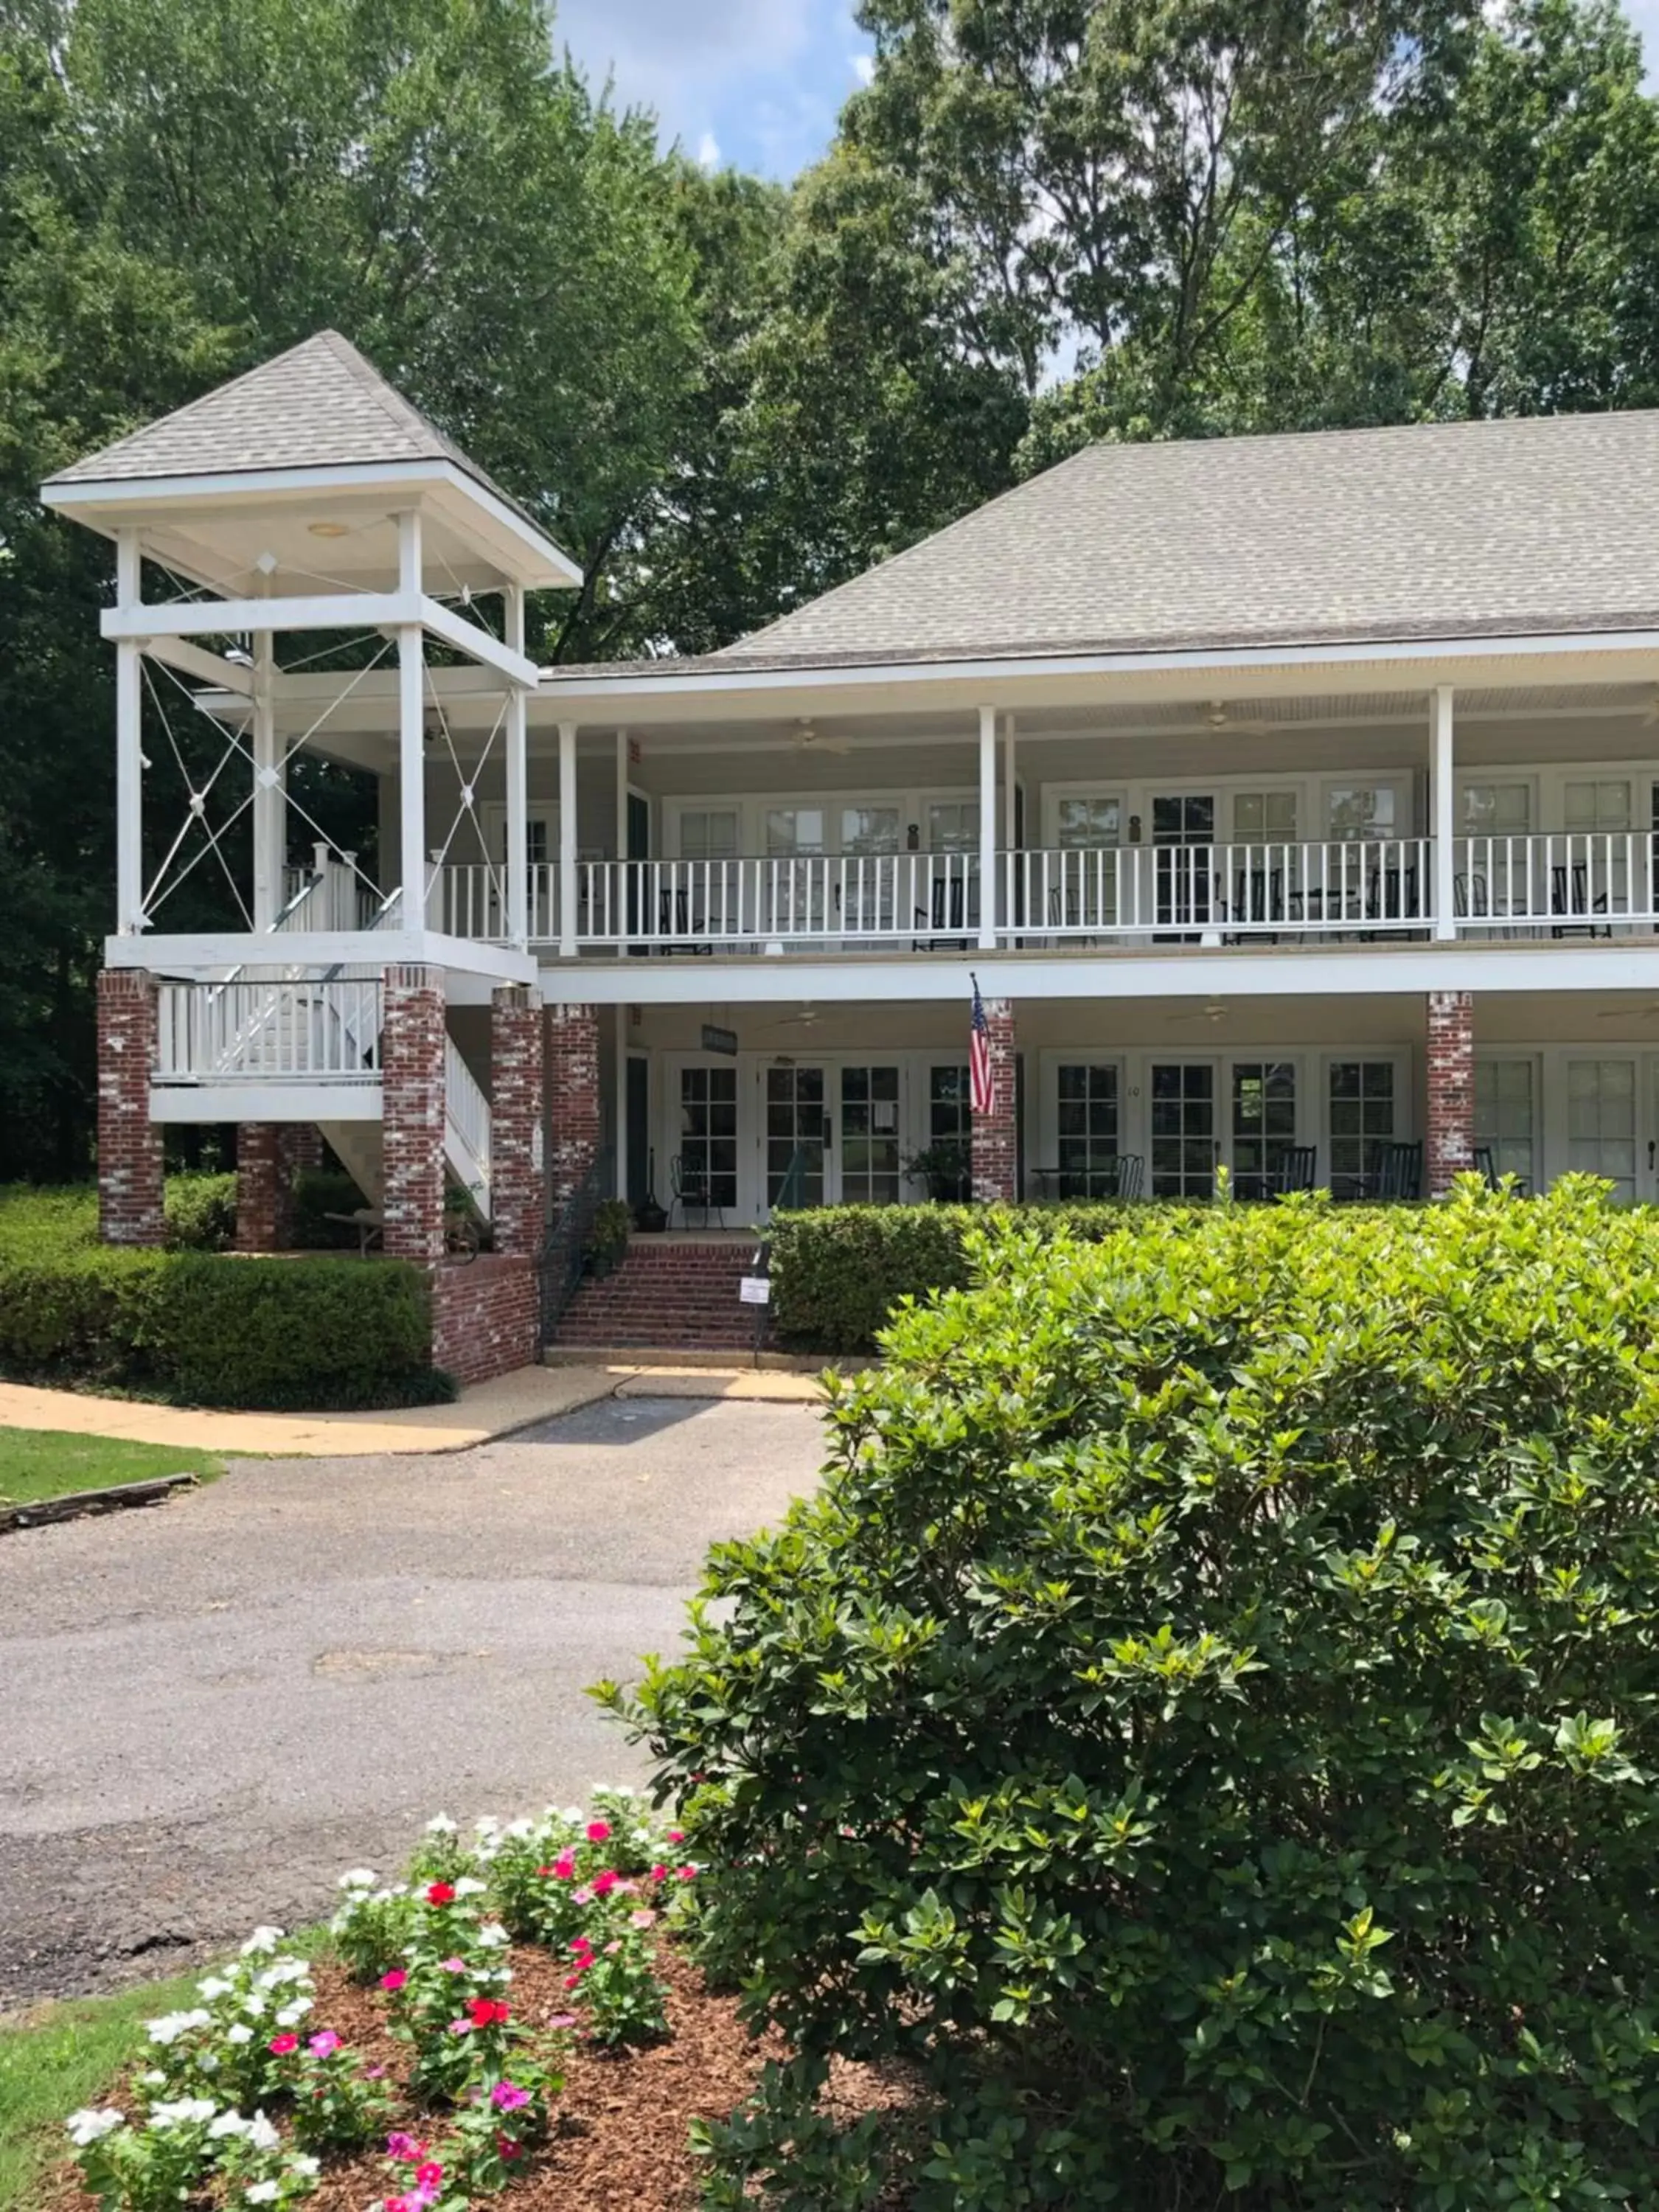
x=690, y=1180
x=1395, y=1171
x=1570, y=894
x=1486, y=1168
x=1297, y=1166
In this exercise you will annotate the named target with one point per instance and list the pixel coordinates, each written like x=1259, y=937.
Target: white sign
x=756, y=1290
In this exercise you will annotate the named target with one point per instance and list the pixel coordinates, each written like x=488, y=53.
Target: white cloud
x=709, y=151
x=863, y=67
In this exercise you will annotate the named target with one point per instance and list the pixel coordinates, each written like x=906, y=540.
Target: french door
x=1605, y=1119
x=1183, y=835
x=794, y=1135
x=831, y=1136
x=1184, y=1137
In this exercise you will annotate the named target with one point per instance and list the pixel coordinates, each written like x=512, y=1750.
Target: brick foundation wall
x=1450, y=1148
x=994, y=1141
x=486, y=1316
x=573, y=1097
x=269, y=1156
x=518, y=1175
x=129, y=1174
x=412, y=1111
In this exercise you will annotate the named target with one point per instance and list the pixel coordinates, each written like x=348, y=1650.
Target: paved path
x=212, y=1707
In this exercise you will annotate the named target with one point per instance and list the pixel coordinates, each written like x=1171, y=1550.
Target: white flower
x=215, y=1986
x=441, y=1825
x=261, y=1939
x=468, y=1887
x=172, y=2025
x=227, y=2124
x=155, y=2079
x=262, y=2192
x=521, y=1828
x=359, y=1878
x=261, y=2134
x=301, y=2162
x=292, y=2015
x=486, y=1824
x=494, y=1936
x=183, y=2111
x=88, y=2126
x=208, y=2061
x=281, y=1971
x=239, y=2032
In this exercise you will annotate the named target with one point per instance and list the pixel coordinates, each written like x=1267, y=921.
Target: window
x=1497, y=810
x=1264, y=1124
x=1503, y=1114
x=1360, y=1103
x=1087, y=1124
x=1357, y=811
x=1597, y=804
x=792, y=830
x=1601, y=1121
x=953, y=825
x=1184, y=1130
x=709, y=1132
x=1084, y=823
x=794, y=1136
x=870, y=830
x=1264, y=817
x=949, y=1117
x=869, y=1136
x=708, y=833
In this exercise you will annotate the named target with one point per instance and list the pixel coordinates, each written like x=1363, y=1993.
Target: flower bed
x=512, y=2020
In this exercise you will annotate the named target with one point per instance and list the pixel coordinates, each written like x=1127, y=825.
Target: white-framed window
x=1595, y=802
x=1088, y=1127
x=952, y=825
x=1264, y=818
x=1086, y=821
x=1505, y=1115
x=1363, y=1108
x=1496, y=809
x=709, y=833
x=1357, y=809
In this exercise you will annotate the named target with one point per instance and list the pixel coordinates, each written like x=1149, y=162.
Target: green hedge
x=200, y=1213
x=839, y=1274
x=216, y=1330
x=1203, y=1729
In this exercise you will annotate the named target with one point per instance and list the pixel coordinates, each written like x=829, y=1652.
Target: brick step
x=664, y=1295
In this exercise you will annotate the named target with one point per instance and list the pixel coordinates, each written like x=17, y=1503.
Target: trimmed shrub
x=841, y=1272
x=1206, y=1726
x=200, y=1213
x=319, y=1191
x=216, y=1330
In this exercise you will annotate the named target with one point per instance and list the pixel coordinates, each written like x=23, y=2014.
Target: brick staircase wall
x=668, y=1297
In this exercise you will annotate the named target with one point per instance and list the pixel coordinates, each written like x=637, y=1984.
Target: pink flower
x=281, y=2045
x=453, y=1966
x=605, y=1883
x=403, y=2148
x=643, y=1919
x=611, y=1949
x=583, y=1896
x=460, y=2027
x=563, y=1867
x=659, y=1874
x=508, y=2149
x=508, y=2097
x=685, y=1874
x=394, y=1980
x=429, y=2175
x=676, y=1835
x=571, y=1980
x=598, y=1831
x=562, y=2020
x=324, y=2043
x=582, y=1944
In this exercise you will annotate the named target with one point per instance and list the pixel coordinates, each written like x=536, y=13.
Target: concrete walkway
x=484, y=1411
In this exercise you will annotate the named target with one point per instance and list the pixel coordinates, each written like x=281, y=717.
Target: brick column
x=572, y=1096
x=518, y=1177
x=1449, y=1150
x=412, y=1113
x=130, y=1176
x=269, y=1156
x=993, y=1137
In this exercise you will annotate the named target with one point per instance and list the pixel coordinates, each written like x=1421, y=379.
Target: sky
x=758, y=83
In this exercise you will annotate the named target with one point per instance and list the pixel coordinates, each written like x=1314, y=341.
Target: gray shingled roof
x=320, y=404
x=1469, y=529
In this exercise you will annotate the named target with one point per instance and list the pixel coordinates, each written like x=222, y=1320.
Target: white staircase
x=285, y=1025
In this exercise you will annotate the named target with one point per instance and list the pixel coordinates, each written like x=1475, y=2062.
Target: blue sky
x=759, y=82
x=755, y=83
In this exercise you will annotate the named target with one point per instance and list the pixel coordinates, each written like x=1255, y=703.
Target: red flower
x=429, y=2175
x=441, y=1892
x=598, y=1831
x=487, y=2012
x=508, y=2149
x=571, y=1980
x=281, y=2045
x=394, y=1980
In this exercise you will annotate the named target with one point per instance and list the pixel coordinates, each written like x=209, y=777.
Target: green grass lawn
x=57, y=2059
x=36, y=1463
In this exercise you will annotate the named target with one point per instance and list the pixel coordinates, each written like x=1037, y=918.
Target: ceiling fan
x=1648, y=1013
x=810, y=739
x=1218, y=716
x=1212, y=1011
x=803, y=1020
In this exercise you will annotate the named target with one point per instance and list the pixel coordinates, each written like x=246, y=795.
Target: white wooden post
x=987, y=829
x=1010, y=786
x=1443, y=815
x=269, y=809
x=411, y=731
x=567, y=840
x=618, y=919
x=622, y=1102
x=517, y=792
x=129, y=748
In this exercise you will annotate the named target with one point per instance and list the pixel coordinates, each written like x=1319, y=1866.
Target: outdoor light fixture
x=238, y=656
x=328, y=529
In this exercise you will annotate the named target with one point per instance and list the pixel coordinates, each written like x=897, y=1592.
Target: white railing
x=469, y=899
x=845, y=899
x=1568, y=880
x=467, y=1130
x=262, y=1031
x=1233, y=891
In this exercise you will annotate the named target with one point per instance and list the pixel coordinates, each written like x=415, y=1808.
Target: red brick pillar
x=300, y=1148
x=1450, y=1151
x=130, y=1176
x=572, y=1096
x=518, y=1177
x=412, y=1113
x=260, y=1196
x=994, y=1142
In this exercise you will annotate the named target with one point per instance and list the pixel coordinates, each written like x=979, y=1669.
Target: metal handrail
x=565, y=1247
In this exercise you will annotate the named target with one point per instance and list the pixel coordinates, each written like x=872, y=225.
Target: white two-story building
x=1293, y=800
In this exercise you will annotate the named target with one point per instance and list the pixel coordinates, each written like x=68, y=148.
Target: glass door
x=794, y=1136
x=1263, y=1124
x=1183, y=832
x=1183, y=1129
x=1601, y=1121
x=1088, y=829
x=871, y=837
x=869, y=1163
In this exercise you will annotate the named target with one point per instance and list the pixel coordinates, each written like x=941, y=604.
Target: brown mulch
x=620, y=2142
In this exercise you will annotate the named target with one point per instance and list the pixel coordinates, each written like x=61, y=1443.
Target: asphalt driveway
x=210, y=1709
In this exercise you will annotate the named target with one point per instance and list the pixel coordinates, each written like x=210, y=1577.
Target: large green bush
x=200, y=1213
x=840, y=1272
x=1207, y=1724
x=214, y=1329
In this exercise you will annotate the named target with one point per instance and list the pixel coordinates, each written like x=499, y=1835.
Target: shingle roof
x=1470, y=529
x=320, y=404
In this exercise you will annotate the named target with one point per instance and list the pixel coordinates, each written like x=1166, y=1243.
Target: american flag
x=982, y=1082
